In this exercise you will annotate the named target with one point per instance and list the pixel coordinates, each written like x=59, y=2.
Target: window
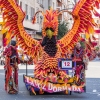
x=37, y=1
x=26, y=9
x=64, y=7
x=49, y=4
x=41, y=17
x=17, y=1
x=75, y=1
x=20, y=4
x=41, y=3
x=53, y=5
x=32, y=12
x=37, y=9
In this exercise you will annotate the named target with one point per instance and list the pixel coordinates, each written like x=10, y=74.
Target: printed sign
x=51, y=87
x=66, y=64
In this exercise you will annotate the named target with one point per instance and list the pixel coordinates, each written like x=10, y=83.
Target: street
x=92, y=86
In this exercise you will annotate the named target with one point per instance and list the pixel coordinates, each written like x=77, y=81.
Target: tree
x=62, y=29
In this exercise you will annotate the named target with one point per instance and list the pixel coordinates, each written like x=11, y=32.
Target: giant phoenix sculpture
x=45, y=53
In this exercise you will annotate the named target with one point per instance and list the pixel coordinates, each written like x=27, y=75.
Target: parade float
x=51, y=73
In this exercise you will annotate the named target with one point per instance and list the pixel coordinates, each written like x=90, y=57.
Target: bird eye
x=52, y=29
x=46, y=28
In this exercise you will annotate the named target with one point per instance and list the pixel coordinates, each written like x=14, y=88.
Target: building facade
x=97, y=30
x=68, y=5
x=30, y=7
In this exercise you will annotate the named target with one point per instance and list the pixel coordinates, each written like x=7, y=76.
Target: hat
x=13, y=43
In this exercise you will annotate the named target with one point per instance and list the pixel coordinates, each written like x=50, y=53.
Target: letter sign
x=66, y=64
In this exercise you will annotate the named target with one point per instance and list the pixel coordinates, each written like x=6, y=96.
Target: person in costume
x=78, y=53
x=78, y=57
x=11, y=68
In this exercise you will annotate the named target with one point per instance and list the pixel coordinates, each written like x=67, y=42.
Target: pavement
x=92, y=86
x=21, y=66
x=93, y=69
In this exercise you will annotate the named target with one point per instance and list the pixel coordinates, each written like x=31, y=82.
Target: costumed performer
x=11, y=68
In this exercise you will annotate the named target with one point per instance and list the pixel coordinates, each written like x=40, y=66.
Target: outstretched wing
x=83, y=23
x=13, y=22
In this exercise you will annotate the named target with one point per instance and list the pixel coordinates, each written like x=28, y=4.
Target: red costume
x=78, y=55
x=11, y=69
